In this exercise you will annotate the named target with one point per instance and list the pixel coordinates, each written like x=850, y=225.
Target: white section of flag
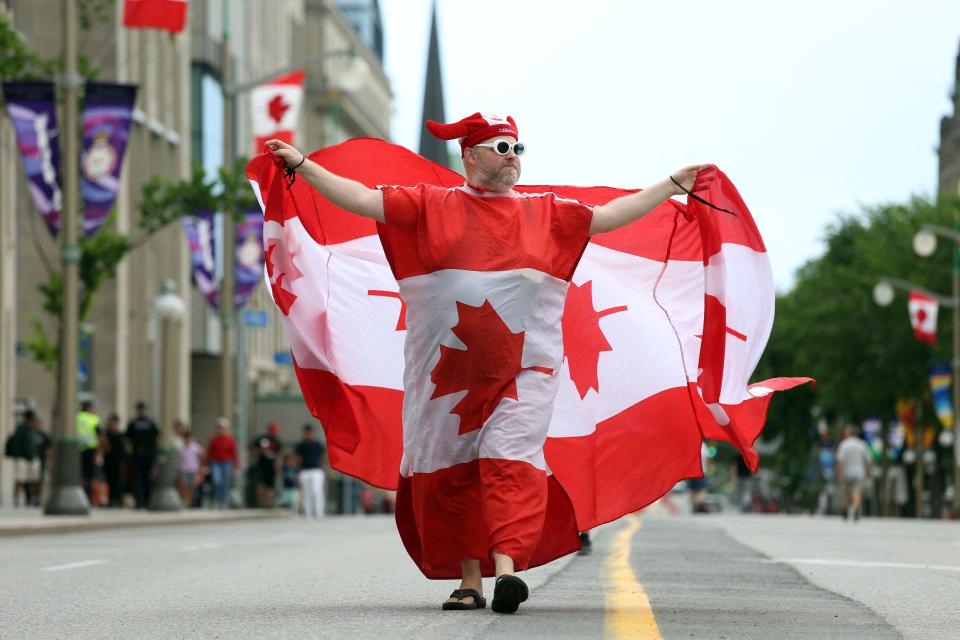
x=289, y=96
x=923, y=315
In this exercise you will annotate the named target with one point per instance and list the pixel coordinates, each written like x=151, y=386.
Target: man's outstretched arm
x=626, y=209
x=345, y=193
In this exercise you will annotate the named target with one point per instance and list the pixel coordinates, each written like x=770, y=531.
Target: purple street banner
x=32, y=111
x=107, y=113
x=249, y=256
x=201, y=237
x=201, y=230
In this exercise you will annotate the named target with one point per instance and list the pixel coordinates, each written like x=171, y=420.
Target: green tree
x=162, y=202
x=864, y=357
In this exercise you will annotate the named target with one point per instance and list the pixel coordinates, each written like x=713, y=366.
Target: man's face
x=486, y=166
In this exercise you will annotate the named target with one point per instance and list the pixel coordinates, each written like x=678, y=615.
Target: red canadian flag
x=276, y=109
x=167, y=15
x=923, y=316
x=624, y=349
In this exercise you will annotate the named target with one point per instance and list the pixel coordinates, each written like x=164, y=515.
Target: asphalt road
x=649, y=577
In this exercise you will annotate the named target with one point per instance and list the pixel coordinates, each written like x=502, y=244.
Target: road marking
x=202, y=545
x=74, y=565
x=862, y=564
x=629, y=614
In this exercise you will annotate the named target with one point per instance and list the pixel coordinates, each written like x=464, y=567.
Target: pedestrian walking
x=744, y=487
x=503, y=228
x=88, y=433
x=267, y=448
x=854, y=466
x=222, y=458
x=22, y=448
x=289, y=497
x=464, y=401
x=143, y=437
x=114, y=460
x=310, y=456
x=188, y=467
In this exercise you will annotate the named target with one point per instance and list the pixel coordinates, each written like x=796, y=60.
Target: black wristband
x=698, y=198
x=303, y=159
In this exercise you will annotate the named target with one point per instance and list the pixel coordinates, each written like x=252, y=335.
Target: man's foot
x=586, y=547
x=509, y=592
x=464, y=599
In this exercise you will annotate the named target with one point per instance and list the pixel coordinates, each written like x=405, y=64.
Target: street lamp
x=67, y=497
x=170, y=308
x=925, y=243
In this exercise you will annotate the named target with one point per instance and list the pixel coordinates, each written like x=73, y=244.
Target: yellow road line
x=629, y=614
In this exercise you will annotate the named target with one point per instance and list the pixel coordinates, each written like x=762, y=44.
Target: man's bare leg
x=470, y=570
x=504, y=564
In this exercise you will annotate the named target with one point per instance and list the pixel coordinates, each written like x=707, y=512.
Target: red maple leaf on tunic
x=487, y=369
x=279, y=266
x=277, y=107
x=583, y=340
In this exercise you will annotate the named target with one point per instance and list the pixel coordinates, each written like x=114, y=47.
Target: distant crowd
x=121, y=468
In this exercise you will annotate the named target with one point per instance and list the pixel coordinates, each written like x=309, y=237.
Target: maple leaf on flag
x=583, y=340
x=279, y=266
x=487, y=369
x=277, y=107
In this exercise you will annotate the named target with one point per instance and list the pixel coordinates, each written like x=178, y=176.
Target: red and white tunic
x=484, y=277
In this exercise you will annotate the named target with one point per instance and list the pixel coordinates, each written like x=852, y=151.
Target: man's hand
x=343, y=192
x=686, y=177
x=287, y=152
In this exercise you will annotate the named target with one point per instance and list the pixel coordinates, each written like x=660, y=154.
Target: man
x=267, y=449
x=23, y=448
x=854, y=466
x=88, y=431
x=114, y=458
x=142, y=435
x=310, y=452
x=521, y=250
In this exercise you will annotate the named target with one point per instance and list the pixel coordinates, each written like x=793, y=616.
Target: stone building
x=178, y=120
x=949, y=150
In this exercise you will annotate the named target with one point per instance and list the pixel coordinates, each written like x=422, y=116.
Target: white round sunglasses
x=503, y=147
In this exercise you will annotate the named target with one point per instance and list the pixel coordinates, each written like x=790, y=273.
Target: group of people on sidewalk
x=119, y=467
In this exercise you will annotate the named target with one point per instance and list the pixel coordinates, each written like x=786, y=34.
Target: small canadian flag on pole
x=166, y=15
x=275, y=106
x=923, y=316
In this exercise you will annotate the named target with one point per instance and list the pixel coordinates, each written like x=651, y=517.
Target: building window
x=364, y=17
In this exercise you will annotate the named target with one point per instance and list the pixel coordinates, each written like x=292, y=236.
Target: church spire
x=430, y=147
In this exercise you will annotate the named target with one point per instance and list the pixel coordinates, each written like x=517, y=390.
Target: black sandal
x=478, y=601
x=509, y=592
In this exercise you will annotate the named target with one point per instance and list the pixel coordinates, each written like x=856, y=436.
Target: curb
x=71, y=525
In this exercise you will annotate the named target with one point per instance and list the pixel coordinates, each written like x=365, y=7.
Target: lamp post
x=170, y=308
x=925, y=243
x=232, y=353
x=67, y=498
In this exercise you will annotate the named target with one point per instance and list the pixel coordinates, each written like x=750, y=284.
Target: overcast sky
x=810, y=108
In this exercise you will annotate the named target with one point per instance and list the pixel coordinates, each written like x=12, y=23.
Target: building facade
x=119, y=338
x=949, y=149
x=178, y=120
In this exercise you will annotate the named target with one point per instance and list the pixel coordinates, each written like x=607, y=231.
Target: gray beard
x=504, y=178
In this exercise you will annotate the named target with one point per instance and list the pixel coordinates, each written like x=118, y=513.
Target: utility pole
x=67, y=497
x=227, y=310
x=955, y=371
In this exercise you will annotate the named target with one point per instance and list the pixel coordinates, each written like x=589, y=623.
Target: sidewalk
x=31, y=521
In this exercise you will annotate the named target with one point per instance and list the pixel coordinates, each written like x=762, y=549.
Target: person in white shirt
x=854, y=466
